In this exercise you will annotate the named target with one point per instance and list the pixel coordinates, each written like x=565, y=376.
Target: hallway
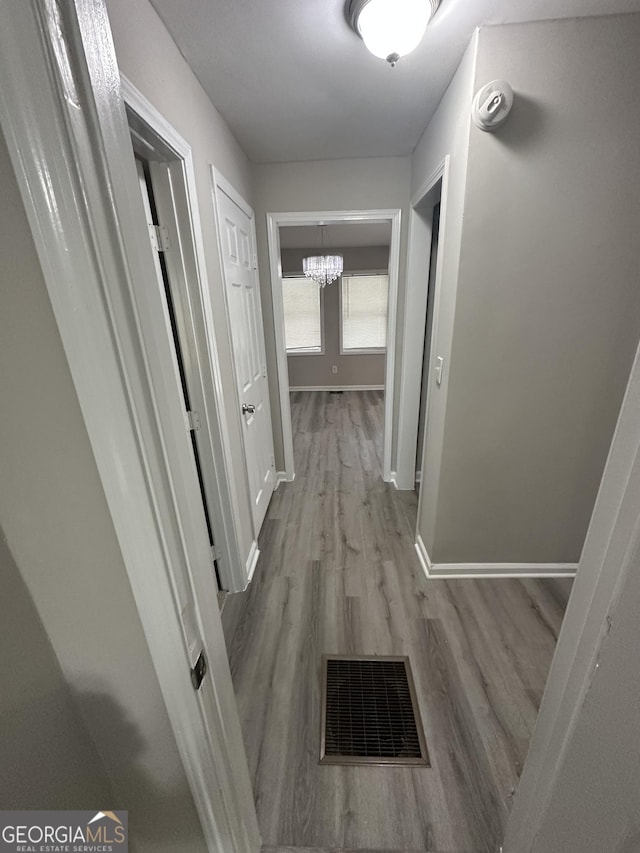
x=338, y=574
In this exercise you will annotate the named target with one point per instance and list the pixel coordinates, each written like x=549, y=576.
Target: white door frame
x=219, y=185
x=205, y=386
x=415, y=315
x=63, y=117
x=332, y=217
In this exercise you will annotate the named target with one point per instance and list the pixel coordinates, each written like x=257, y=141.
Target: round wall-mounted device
x=492, y=104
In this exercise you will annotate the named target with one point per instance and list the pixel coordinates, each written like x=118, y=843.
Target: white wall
x=58, y=528
x=149, y=58
x=324, y=185
x=547, y=313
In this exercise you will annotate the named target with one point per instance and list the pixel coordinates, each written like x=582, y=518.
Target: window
x=302, y=316
x=364, y=301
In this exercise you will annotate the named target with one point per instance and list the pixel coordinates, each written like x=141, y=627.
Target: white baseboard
x=502, y=570
x=421, y=551
x=252, y=561
x=407, y=486
x=418, y=476
x=393, y=479
x=336, y=388
x=282, y=477
x=444, y=571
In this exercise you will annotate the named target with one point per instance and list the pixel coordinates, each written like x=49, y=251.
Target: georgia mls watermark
x=64, y=832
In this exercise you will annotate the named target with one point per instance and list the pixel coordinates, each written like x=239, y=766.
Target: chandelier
x=323, y=269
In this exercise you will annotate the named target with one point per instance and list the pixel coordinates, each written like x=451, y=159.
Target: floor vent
x=369, y=712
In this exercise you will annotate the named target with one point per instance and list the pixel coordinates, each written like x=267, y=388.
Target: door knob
x=248, y=408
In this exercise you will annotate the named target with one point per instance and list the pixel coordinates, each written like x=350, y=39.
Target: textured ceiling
x=295, y=83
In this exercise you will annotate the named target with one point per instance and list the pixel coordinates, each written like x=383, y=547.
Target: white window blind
x=302, y=316
x=364, y=312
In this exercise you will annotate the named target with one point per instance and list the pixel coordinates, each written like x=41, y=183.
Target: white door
x=182, y=587
x=237, y=243
x=164, y=239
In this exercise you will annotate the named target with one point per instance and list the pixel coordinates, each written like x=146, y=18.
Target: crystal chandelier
x=323, y=269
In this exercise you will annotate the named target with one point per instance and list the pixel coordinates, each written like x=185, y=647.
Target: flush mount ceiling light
x=323, y=269
x=390, y=28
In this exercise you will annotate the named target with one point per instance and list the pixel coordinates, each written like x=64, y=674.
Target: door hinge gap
x=199, y=671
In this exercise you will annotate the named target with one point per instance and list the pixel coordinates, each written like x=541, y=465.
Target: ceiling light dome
x=391, y=28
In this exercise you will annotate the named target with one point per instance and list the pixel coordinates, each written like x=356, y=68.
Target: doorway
x=165, y=175
x=421, y=364
x=161, y=245
x=427, y=376
x=275, y=221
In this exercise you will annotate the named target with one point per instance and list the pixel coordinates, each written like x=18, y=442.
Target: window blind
x=302, y=319
x=364, y=312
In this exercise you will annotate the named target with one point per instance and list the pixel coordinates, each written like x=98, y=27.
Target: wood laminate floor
x=338, y=574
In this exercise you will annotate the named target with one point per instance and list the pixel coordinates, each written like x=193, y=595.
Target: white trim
x=423, y=556
x=274, y=221
x=415, y=311
x=449, y=571
x=390, y=361
x=502, y=570
x=429, y=183
x=372, y=351
x=227, y=188
x=210, y=402
x=63, y=118
x=134, y=99
x=281, y=477
x=252, y=561
x=336, y=388
x=282, y=368
x=393, y=480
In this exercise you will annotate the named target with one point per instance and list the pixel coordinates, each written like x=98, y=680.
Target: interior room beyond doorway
x=364, y=338
x=336, y=335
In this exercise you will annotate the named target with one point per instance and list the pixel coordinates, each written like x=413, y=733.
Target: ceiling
x=343, y=236
x=294, y=82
